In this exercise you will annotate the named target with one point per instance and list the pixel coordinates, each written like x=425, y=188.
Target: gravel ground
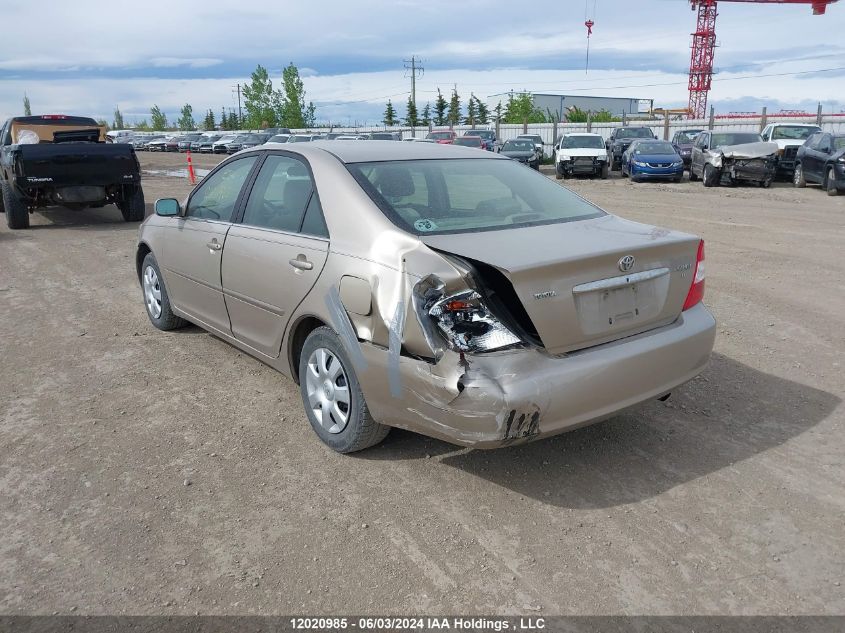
x=160, y=473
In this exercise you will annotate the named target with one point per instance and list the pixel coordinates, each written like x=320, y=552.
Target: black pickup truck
x=58, y=160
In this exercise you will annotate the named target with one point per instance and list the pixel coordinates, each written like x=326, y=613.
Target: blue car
x=650, y=160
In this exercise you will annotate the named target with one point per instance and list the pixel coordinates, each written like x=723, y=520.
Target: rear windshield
x=734, y=138
x=589, y=142
x=468, y=141
x=794, y=132
x=439, y=136
x=654, y=148
x=635, y=132
x=482, y=133
x=464, y=195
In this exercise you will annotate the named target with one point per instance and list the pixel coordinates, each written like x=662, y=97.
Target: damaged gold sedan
x=451, y=292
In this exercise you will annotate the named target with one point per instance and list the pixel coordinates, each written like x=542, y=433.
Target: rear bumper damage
x=502, y=398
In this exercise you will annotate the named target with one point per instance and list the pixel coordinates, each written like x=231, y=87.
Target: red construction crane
x=704, y=47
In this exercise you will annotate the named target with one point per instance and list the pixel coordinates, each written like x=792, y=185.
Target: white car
x=219, y=146
x=581, y=154
x=788, y=137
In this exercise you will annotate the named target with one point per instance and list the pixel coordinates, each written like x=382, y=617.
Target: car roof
x=375, y=151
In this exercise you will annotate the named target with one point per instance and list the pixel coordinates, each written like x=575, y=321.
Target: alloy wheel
x=152, y=292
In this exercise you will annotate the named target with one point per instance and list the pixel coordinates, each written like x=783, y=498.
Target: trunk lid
x=570, y=280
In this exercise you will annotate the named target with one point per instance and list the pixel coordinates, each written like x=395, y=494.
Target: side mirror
x=168, y=207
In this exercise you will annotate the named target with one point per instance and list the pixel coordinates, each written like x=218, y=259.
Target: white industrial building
x=558, y=104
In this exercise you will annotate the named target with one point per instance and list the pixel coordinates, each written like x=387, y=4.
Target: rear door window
x=280, y=195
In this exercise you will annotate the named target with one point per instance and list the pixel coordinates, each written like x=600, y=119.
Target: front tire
x=17, y=213
x=798, y=178
x=131, y=204
x=830, y=181
x=711, y=176
x=332, y=396
x=604, y=171
x=692, y=176
x=156, y=299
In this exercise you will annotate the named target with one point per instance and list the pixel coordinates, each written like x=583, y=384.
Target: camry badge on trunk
x=626, y=263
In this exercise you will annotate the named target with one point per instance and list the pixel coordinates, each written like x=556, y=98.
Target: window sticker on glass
x=425, y=225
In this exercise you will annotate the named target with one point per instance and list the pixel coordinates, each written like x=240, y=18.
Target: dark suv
x=620, y=139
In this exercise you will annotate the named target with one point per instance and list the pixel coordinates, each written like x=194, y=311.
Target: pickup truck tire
x=132, y=204
x=711, y=176
x=17, y=215
x=830, y=182
x=798, y=178
x=605, y=171
x=156, y=300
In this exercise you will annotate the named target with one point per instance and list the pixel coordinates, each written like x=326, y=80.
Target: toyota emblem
x=626, y=263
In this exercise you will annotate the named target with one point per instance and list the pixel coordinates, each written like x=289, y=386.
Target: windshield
x=644, y=147
x=532, y=138
x=794, y=132
x=518, y=146
x=468, y=141
x=635, y=132
x=382, y=136
x=439, y=136
x=299, y=138
x=279, y=138
x=734, y=138
x=482, y=133
x=591, y=142
x=464, y=195
x=687, y=136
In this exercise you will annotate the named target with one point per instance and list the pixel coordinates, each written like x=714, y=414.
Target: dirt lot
x=146, y=473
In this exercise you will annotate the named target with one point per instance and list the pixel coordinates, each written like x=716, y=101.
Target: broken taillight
x=696, y=290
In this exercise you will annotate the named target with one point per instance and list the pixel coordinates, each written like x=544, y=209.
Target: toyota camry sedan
x=439, y=289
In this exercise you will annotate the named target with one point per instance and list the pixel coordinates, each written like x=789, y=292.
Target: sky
x=89, y=56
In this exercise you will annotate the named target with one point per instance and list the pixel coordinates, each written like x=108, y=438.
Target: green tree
x=142, y=125
x=426, y=115
x=411, y=117
x=261, y=101
x=118, y=119
x=104, y=123
x=472, y=111
x=186, y=121
x=440, y=107
x=454, y=115
x=483, y=112
x=27, y=109
x=294, y=112
x=389, y=114
x=520, y=109
x=498, y=111
x=158, y=119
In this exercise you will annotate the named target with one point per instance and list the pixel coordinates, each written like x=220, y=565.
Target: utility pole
x=240, y=115
x=414, y=68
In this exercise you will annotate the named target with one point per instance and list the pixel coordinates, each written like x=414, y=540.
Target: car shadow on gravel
x=728, y=414
x=104, y=218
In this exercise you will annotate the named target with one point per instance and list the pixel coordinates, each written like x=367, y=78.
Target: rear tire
x=156, y=299
x=830, y=182
x=132, y=205
x=711, y=176
x=325, y=376
x=17, y=213
x=798, y=179
x=692, y=176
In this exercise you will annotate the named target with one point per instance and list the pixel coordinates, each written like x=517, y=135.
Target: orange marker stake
x=191, y=175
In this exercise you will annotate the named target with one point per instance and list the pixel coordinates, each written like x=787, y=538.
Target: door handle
x=301, y=263
x=214, y=245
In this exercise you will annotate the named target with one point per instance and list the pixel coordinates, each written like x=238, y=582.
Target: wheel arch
x=142, y=251
x=300, y=330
